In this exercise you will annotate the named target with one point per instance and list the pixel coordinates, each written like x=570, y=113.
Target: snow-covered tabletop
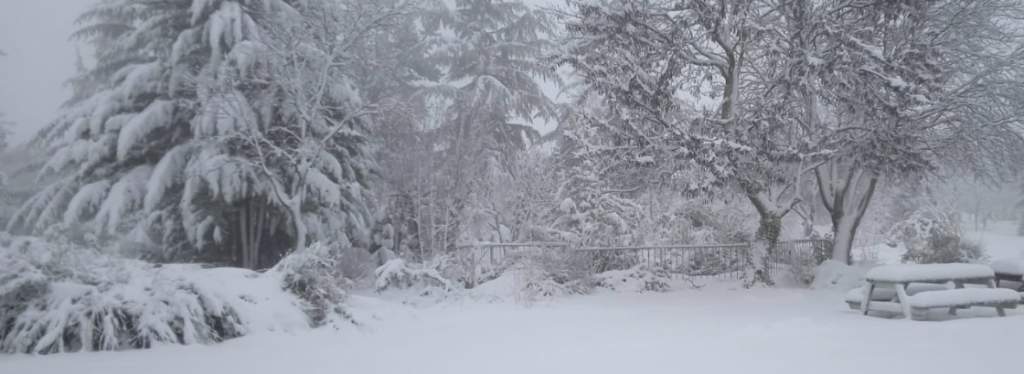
x=929, y=273
x=1009, y=266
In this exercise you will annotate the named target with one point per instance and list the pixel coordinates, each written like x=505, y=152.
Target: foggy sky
x=40, y=58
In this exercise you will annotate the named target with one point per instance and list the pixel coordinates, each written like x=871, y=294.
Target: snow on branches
x=199, y=132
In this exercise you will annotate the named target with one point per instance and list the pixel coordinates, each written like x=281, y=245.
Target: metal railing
x=722, y=261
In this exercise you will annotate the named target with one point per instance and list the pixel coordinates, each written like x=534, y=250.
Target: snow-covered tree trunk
x=295, y=209
x=847, y=201
x=769, y=229
x=251, y=220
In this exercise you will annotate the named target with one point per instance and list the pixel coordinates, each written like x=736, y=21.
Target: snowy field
x=719, y=329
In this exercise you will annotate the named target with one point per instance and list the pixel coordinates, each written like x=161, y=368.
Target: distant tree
x=648, y=60
x=901, y=90
x=488, y=53
x=5, y=124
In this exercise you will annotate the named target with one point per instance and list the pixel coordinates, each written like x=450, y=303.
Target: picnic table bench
x=880, y=280
x=1010, y=270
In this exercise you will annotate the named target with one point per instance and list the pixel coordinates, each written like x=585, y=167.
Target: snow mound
x=928, y=272
x=1011, y=266
x=836, y=275
x=964, y=297
x=527, y=283
x=636, y=279
x=500, y=288
x=57, y=298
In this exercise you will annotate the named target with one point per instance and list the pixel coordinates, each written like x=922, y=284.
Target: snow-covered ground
x=1001, y=240
x=719, y=329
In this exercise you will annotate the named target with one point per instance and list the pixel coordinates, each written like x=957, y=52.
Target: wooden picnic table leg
x=957, y=284
x=868, y=290
x=999, y=310
x=901, y=292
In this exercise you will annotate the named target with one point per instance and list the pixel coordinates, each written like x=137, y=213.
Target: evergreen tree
x=589, y=209
x=182, y=133
x=489, y=53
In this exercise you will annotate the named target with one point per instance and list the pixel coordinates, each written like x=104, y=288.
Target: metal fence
x=723, y=261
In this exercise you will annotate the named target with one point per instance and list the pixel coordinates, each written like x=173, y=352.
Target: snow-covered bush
x=636, y=279
x=572, y=269
x=543, y=276
x=468, y=266
x=801, y=267
x=801, y=272
x=397, y=273
x=316, y=276
x=712, y=262
x=60, y=298
x=836, y=275
x=974, y=249
x=932, y=236
x=602, y=261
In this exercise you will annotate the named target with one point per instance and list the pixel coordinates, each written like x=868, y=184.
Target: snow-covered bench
x=999, y=298
x=855, y=296
x=1009, y=269
x=898, y=277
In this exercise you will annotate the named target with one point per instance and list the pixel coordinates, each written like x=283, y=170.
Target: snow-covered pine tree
x=307, y=124
x=488, y=51
x=5, y=131
x=588, y=208
x=395, y=63
x=127, y=86
x=149, y=143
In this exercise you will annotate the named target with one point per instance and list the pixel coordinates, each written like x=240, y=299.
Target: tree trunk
x=293, y=203
x=809, y=221
x=846, y=209
x=243, y=229
x=844, y=229
x=251, y=218
x=257, y=232
x=757, y=267
x=300, y=227
x=758, y=270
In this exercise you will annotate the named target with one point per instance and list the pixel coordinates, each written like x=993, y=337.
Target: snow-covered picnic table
x=916, y=306
x=1009, y=269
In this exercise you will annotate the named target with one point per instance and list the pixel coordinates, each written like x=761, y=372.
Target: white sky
x=34, y=33
x=40, y=58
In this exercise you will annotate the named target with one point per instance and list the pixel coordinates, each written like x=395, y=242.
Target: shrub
x=315, y=275
x=636, y=279
x=397, y=273
x=543, y=276
x=973, y=250
x=57, y=297
x=467, y=267
x=933, y=237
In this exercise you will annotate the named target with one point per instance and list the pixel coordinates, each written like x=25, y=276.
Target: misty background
x=224, y=168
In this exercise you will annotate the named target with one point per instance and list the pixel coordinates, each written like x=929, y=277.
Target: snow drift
x=59, y=298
